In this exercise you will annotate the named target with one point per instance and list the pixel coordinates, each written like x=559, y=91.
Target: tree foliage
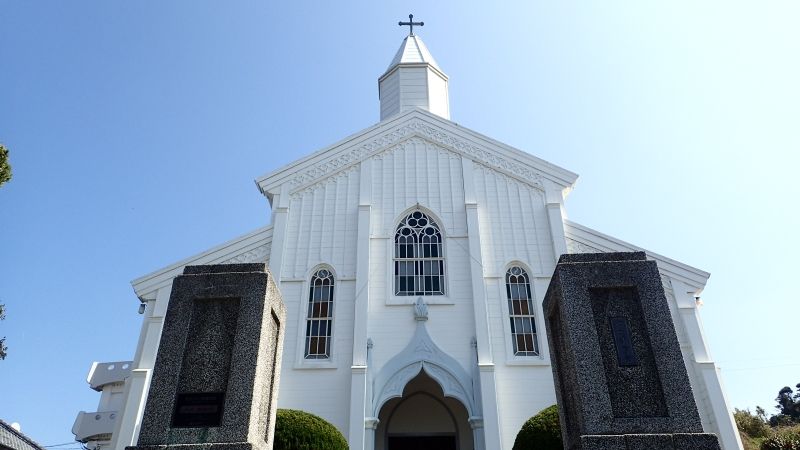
x=788, y=405
x=754, y=425
x=5, y=167
x=299, y=430
x=783, y=430
x=541, y=432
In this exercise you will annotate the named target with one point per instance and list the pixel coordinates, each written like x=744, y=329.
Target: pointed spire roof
x=413, y=51
x=413, y=80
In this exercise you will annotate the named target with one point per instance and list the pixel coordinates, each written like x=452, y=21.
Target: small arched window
x=521, y=312
x=319, y=319
x=418, y=256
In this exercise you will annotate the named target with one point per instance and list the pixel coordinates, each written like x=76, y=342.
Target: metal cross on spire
x=410, y=24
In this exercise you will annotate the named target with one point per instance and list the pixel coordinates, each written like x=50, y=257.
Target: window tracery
x=319, y=318
x=521, y=312
x=418, y=256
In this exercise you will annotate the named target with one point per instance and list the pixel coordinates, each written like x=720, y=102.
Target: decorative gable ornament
x=422, y=353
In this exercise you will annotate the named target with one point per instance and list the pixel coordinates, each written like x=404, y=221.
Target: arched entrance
x=423, y=419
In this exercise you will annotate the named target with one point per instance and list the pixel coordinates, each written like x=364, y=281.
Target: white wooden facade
x=496, y=207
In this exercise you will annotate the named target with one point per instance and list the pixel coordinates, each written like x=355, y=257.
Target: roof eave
x=690, y=275
x=563, y=178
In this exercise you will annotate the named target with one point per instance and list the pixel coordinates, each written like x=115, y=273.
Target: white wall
x=321, y=230
x=417, y=171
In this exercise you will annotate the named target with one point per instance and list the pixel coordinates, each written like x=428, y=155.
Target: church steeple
x=413, y=79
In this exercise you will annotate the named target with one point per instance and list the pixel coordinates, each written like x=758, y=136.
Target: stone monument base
x=677, y=441
x=206, y=446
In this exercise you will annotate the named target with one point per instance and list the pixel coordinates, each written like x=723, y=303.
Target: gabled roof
x=416, y=123
x=585, y=239
x=13, y=439
x=251, y=247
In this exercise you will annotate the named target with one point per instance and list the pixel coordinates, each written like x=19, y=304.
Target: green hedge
x=299, y=430
x=541, y=432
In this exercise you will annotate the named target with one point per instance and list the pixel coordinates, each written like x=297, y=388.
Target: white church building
x=413, y=257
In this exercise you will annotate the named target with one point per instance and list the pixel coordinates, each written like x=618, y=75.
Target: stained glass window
x=521, y=312
x=418, y=256
x=320, y=316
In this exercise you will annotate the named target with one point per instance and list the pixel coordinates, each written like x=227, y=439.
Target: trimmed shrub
x=541, y=432
x=299, y=430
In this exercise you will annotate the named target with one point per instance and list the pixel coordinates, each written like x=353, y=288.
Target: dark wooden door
x=422, y=443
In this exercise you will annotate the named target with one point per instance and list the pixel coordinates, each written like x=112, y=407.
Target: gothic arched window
x=319, y=319
x=418, y=256
x=520, y=311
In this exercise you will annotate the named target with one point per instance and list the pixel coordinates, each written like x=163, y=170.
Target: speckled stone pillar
x=215, y=380
x=620, y=378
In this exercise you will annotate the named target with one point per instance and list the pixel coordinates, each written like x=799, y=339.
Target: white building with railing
x=96, y=428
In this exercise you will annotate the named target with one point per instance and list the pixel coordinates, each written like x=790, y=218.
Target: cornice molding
x=419, y=128
x=574, y=246
x=535, y=183
x=258, y=254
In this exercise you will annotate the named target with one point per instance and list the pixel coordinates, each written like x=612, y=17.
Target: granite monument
x=215, y=380
x=620, y=378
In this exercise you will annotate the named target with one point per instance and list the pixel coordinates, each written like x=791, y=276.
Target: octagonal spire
x=413, y=79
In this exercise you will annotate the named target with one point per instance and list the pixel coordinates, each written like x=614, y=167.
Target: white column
x=490, y=413
x=371, y=424
x=705, y=367
x=476, y=423
x=555, y=217
x=356, y=437
x=126, y=428
x=280, y=213
x=359, y=402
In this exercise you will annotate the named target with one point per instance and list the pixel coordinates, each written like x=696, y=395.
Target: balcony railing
x=94, y=426
x=105, y=373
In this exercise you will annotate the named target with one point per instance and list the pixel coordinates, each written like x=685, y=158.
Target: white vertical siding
x=322, y=227
x=324, y=392
x=513, y=227
x=389, y=92
x=419, y=172
x=438, y=101
x=513, y=223
x=413, y=87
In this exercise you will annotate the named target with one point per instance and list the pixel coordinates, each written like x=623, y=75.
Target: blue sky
x=136, y=130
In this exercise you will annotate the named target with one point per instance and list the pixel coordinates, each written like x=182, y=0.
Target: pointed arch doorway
x=422, y=419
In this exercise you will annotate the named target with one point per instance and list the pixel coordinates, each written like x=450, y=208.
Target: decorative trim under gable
x=417, y=127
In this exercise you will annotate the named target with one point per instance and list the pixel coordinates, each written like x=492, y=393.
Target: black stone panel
x=635, y=390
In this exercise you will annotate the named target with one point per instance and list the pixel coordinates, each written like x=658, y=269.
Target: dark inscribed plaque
x=626, y=356
x=201, y=409
x=634, y=389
